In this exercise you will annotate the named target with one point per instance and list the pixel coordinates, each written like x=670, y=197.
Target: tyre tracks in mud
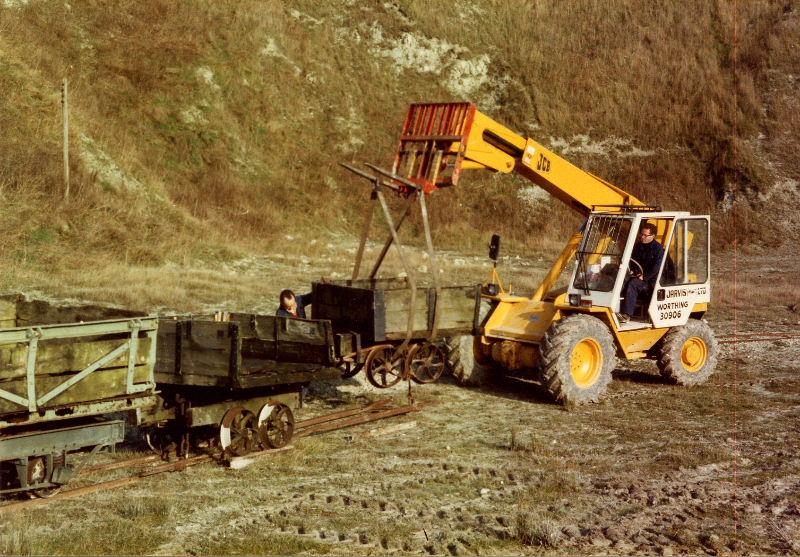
x=453, y=527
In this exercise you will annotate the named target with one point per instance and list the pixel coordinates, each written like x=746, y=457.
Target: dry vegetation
x=655, y=468
x=203, y=131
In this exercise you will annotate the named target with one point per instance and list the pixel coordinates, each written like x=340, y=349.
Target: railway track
x=153, y=464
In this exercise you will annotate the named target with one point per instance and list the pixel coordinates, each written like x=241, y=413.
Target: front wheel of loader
x=688, y=354
x=578, y=356
x=463, y=364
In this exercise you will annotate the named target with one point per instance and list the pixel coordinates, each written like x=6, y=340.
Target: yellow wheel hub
x=587, y=361
x=694, y=354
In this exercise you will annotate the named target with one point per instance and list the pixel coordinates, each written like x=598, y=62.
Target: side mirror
x=494, y=247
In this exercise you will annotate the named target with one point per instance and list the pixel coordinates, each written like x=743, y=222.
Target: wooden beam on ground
x=239, y=462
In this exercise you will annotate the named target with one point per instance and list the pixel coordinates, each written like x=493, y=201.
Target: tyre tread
x=556, y=351
x=669, y=353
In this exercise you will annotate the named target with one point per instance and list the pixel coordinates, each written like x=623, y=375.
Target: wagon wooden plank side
x=283, y=339
x=350, y=308
x=378, y=310
x=246, y=351
x=16, y=310
x=61, y=356
x=64, y=371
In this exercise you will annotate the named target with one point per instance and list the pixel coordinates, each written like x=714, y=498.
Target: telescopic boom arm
x=439, y=140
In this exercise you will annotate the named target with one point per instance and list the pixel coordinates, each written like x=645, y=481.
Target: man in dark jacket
x=293, y=306
x=648, y=253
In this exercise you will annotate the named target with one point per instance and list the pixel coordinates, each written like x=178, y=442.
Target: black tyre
x=688, y=354
x=578, y=356
x=462, y=363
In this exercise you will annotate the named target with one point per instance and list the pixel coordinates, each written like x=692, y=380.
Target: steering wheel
x=633, y=271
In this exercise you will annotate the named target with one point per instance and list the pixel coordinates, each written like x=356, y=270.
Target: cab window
x=600, y=254
x=687, y=256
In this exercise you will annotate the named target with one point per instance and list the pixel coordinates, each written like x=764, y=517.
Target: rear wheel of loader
x=578, y=356
x=688, y=354
x=462, y=362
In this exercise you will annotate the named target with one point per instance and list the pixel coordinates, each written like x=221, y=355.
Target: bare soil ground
x=654, y=468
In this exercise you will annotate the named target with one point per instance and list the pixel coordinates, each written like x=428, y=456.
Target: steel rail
x=111, y=484
x=321, y=424
x=129, y=463
x=358, y=420
x=342, y=414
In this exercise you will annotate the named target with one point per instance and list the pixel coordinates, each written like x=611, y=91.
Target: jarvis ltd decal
x=675, y=307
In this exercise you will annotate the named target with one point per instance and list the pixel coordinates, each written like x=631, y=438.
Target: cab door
x=685, y=278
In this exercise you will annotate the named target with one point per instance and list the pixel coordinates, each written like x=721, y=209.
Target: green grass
x=112, y=531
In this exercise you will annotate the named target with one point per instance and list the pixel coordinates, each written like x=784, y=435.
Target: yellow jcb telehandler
x=571, y=337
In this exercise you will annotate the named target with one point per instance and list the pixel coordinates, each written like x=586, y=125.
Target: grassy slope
x=204, y=131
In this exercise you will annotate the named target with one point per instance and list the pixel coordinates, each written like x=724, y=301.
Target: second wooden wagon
x=242, y=372
x=398, y=326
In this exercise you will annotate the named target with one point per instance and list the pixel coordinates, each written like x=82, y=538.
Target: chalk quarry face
x=464, y=75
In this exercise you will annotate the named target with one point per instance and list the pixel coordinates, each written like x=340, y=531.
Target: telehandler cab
x=570, y=337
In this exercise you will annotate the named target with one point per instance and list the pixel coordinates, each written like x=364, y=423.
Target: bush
x=536, y=531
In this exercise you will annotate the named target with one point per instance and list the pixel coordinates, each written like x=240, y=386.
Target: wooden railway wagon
x=398, y=336
x=242, y=372
x=73, y=377
x=62, y=369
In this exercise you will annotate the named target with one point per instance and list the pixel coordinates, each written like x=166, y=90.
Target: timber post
x=65, y=121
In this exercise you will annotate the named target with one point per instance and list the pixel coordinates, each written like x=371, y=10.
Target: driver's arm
x=304, y=300
x=652, y=273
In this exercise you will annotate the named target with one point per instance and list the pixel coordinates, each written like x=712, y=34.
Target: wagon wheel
x=238, y=433
x=275, y=425
x=37, y=470
x=161, y=441
x=384, y=366
x=38, y=473
x=425, y=363
x=47, y=492
x=350, y=368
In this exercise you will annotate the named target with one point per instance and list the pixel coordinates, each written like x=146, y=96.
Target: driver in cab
x=648, y=253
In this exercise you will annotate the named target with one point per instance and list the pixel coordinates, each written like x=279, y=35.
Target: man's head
x=647, y=232
x=287, y=300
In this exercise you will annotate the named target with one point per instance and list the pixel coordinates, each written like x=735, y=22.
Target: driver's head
x=288, y=300
x=647, y=232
